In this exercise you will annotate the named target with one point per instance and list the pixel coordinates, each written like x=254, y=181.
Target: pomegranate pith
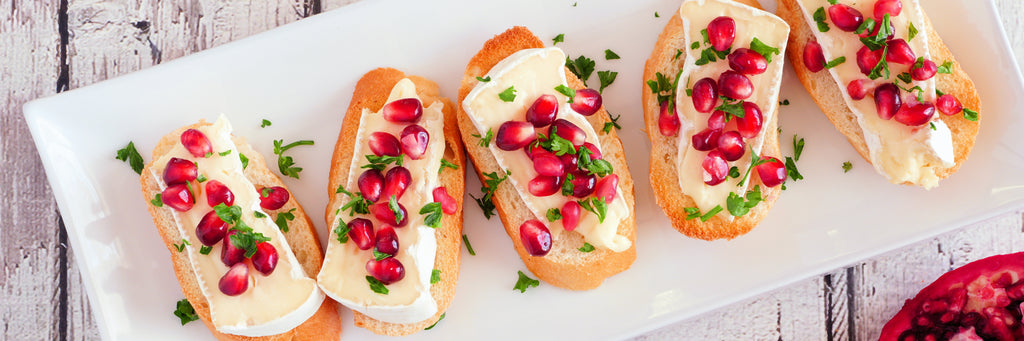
x=536, y=237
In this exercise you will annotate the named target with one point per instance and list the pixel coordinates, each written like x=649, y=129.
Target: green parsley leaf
x=265, y=192
x=469, y=247
x=880, y=39
x=225, y=153
x=912, y=32
x=558, y=39
x=395, y=209
x=283, y=218
x=847, y=166
x=867, y=25
x=376, y=285
x=755, y=161
x=508, y=95
x=734, y=172
x=582, y=67
x=610, y=55
x=599, y=167
x=229, y=214
x=798, y=147
x=446, y=164
x=794, y=173
x=832, y=2
x=835, y=62
x=525, y=282
x=130, y=155
x=566, y=91
x=157, y=201
x=656, y=15
x=245, y=160
x=739, y=206
x=381, y=162
x=379, y=255
x=970, y=115
x=946, y=68
x=185, y=312
x=554, y=214
x=246, y=239
x=662, y=87
x=258, y=214
x=265, y=123
x=491, y=182
x=763, y=49
x=433, y=214
x=342, y=231
x=596, y=206
x=567, y=186
x=201, y=178
x=205, y=250
x=445, y=313
x=932, y=125
x=694, y=46
x=711, y=213
x=882, y=65
x=905, y=77
x=285, y=163
x=435, y=276
x=613, y=124
x=784, y=102
x=606, y=78
x=586, y=248
x=181, y=247
x=485, y=141
x=731, y=108
x=819, y=17
x=692, y=213
x=484, y=79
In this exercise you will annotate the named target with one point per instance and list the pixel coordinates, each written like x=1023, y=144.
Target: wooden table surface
x=48, y=46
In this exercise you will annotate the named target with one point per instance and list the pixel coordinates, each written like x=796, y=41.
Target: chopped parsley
x=878, y=40
x=469, y=247
x=610, y=55
x=819, y=17
x=946, y=68
x=265, y=192
x=181, y=247
x=395, y=209
x=731, y=108
x=912, y=32
x=376, y=285
x=694, y=213
x=847, y=166
x=798, y=147
x=225, y=153
x=205, y=250
x=381, y=162
x=185, y=312
x=566, y=91
x=157, y=201
x=435, y=276
x=445, y=313
x=835, y=62
x=595, y=205
x=484, y=79
x=905, y=77
x=586, y=248
x=283, y=218
x=342, y=231
x=508, y=95
x=491, y=182
x=357, y=204
x=656, y=15
x=763, y=49
x=286, y=164
x=446, y=164
x=614, y=123
x=970, y=115
x=377, y=255
x=882, y=65
x=265, y=123
x=784, y=102
x=485, y=140
x=932, y=126
x=554, y=214
x=791, y=169
x=606, y=78
x=245, y=160
x=558, y=39
x=755, y=161
x=664, y=87
x=739, y=206
x=131, y=155
x=525, y=282
x=582, y=67
x=259, y=214
x=201, y=178
x=432, y=214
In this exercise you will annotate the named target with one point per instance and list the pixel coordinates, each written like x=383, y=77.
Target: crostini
x=886, y=80
x=562, y=190
x=711, y=108
x=395, y=211
x=244, y=269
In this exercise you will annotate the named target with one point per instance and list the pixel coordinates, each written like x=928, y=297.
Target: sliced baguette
x=664, y=174
x=564, y=266
x=827, y=94
x=372, y=92
x=325, y=324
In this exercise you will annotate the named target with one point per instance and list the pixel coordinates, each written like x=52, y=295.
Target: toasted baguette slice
x=827, y=94
x=664, y=174
x=372, y=92
x=325, y=324
x=564, y=266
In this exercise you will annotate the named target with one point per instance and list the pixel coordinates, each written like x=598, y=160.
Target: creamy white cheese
x=272, y=304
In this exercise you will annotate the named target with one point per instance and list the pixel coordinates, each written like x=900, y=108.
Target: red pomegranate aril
x=926, y=71
x=716, y=169
x=586, y=102
x=383, y=213
x=235, y=281
x=382, y=143
x=731, y=145
x=668, y=122
x=218, y=193
x=179, y=171
x=747, y=62
x=717, y=120
x=915, y=115
x=569, y=131
x=606, y=188
x=532, y=149
x=846, y=18
x=734, y=85
x=721, y=33
x=387, y=241
x=890, y=7
x=360, y=232
x=570, y=162
x=211, y=229
x=387, y=270
x=867, y=59
x=583, y=184
x=705, y=95
x=536, y=237
x=414, y=141
x=547, y=164
x=750, y=124
x=406, y=110
x=595, y=153
x=948, y=104
x=814, y=57
x=229, y=253
x=542, y=185
x=448, y=204
x=514, y=135
x=900, y=53
x=395, y=183
x=265, y=258
x=371, y=184
x=887, y=100
x=706, y=139
x=274, y=198
x=858, y=88
x=543, y=111
x=772, y=172
x=178, y=197
x=196, y=143
x=571, y=215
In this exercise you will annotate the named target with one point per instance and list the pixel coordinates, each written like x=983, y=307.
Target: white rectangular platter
x=301, y=77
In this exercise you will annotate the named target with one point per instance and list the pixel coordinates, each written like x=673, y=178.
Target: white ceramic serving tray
x=301, y=77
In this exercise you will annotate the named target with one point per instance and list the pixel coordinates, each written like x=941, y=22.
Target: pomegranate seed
x=915, y=115
x=772, y=172
x=387, y=270
x=706, y=140
x=371, y=183
x=448, y=204
x=887, y=100
x=217, y=193
x=535, y=237
x=705, y=95
x=360, y=232
x=570, y=162
x=668, y=123
x=595, y=153
x=229, y=254
x=178, y=197
x=547, y=164
x=179, y=171
x=513, y=135
x=383, y=213
x=731, y=145
x=406, y=110
x=846, y=18
x=734, y=85
x=747, y=62
x=586, y=102
x=235, y=281
x=532, y=148
x=211, y=229
x=387, y=241
x=948, y=104
x=382, y=143
x=606, y=187
x=715, y=168
x=582, y=184
x=542, y=186
x=395, y=183
x=890, y=7
x=858, y=88
x=900, y=52
x=721, y=33
x=543, y=111
x=717, y=120
x=925, y=72
x=814, y=58
x=275, y=197
x=867, y=59
x=414, y=141
x=571, y=215
x=569, y=131
x=750, y=124
x=265, y=258
x=196, y=143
